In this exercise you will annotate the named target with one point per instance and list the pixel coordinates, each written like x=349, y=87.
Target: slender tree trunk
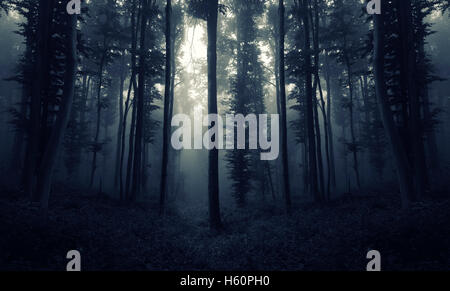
x=31, y=162
x=424, y=92
x=120, y=125
x=415, y=128
x=167, y=117
x=309, y=107
x=124, y=129
x=174, y=156
x=352, y=122
x=99, y=112
x=306, y=181
x=16, y=161
x=144, y=169
x=131, y=141
x=84, y=109
x=124, y=193
x=330, y=126
x=57, y=135
x=318, y=136
x=137, y=174
x=315, y=29
x=327, y=139
x=283, y=113
x=398, y=151
x=431, y=135
x=213, y=175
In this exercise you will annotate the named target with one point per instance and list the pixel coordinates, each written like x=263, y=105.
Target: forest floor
x=336, y=236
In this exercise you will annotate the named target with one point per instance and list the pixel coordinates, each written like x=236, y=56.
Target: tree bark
x=283, y=113
x=131, y=141
x=398, y=150
x=213, y=175
x=124, y=129
x=31, y=162
x=99, y=112
x=138, y=143
x=309, y=107
x=433, y=152
x=167, y=113
x=57, y=134
x=409, y=84
x=352, y=122
x=327, y=139
x=315, y=30
x=330, y=126
x=318, y=135
x=120, y=125
x=124, y=192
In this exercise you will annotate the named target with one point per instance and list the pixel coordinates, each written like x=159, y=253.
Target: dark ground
x=331, y=237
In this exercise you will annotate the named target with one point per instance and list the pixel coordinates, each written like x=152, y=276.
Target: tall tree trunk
x=352, y=122
x=120, y=125
x=283, y=113
x=84, y=109
x=128, y=105
x=424, y=93
x=16, y=161
x=57, y=134
x=430, y=134
x=318, y=135
x=398, y=150
x=409, y=66
x=31, y=162
x=327, y=139
x=213, y=175
x=174, y=156
x=322, y=105
x=99, y=112
x=138, y=143
x=131, y=141
x=309, y=107
x=315, y=29
x=167, y=113
x=144, y=169
x=124, y=193
x=330, y=126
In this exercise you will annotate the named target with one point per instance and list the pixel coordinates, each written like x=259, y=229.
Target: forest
x=92, y=101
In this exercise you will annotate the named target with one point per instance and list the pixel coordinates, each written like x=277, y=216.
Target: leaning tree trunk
x=57, y=135
x=283, y=113
x=167, y=109
x=213, y=175
x=398, y=150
